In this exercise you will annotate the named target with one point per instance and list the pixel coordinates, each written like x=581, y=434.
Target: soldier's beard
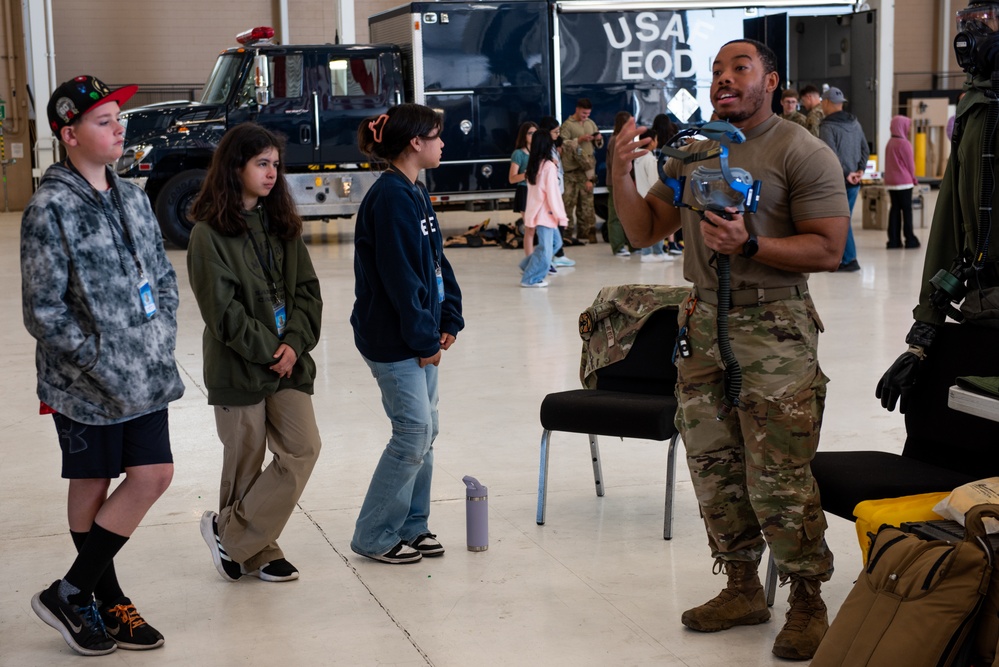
x=753, y=97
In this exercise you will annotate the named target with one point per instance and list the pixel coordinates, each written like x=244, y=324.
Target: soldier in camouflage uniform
x=580, y=138
x=811, y=100
x=750, y=467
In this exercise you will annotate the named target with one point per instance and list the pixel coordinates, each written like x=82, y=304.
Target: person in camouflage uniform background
x=811, y=101
x=750, y=466
x=581, y=137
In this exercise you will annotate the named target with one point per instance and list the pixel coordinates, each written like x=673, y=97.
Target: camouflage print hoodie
x=100, y=360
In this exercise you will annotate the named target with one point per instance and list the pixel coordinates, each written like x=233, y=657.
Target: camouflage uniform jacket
x=796, y=117
x=610, y=326
x=576, y=155
x=814, y=119
x=100, y=359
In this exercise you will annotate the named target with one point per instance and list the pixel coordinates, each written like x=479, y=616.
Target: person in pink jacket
x=900, y=177
x=544, y=212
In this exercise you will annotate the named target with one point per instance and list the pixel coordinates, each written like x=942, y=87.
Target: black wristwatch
x=750, y=247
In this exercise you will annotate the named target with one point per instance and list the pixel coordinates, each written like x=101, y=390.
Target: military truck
x=314, y=95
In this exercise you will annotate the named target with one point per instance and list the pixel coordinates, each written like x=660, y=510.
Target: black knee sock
x=107, y=589
x=96, y=554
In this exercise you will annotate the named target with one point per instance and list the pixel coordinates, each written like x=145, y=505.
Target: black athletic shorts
x=103, y=452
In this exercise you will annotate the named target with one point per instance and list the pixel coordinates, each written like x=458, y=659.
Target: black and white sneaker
x=427, y=545
x=126, y=626
x=276, y=570
x=399, y=554
x=81, y=627
x=227, y=567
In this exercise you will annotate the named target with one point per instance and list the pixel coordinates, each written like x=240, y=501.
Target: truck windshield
x=222, y=80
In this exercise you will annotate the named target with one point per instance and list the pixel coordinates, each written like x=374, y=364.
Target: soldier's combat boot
x=806, y=622
x=742, y=602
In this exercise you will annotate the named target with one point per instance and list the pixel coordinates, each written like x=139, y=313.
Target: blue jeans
x=850, y=251
x=654, y=249
x=397, y=504
x=547, y=241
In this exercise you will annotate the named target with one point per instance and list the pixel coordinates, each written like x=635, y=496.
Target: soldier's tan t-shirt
x=802, y=180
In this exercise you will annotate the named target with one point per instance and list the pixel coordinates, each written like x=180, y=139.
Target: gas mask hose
x=733, y=371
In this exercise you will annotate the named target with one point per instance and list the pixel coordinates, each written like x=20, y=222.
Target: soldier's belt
x=752, y=297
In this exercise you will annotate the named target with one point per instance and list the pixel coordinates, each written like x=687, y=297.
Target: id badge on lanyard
x=440, y=284
x=280, y=318
x=146, y=297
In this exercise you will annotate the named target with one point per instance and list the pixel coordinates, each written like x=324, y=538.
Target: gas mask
x=714, y=192
x=714, y=189
x=977, y=41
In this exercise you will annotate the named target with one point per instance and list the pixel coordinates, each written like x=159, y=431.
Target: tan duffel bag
x=916, y=601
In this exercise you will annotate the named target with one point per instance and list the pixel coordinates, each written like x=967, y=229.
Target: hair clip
x=377, y=126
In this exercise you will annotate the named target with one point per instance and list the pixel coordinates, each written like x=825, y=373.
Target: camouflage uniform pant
x=751, y=471
x=578, y=205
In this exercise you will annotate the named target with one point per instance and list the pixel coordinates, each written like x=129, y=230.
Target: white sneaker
x=543, y=283
x=648, y=258
x=623, y=252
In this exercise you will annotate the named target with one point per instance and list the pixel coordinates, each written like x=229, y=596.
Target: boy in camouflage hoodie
x=100, y=298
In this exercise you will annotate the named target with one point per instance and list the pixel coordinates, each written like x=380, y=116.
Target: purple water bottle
x=476, y=514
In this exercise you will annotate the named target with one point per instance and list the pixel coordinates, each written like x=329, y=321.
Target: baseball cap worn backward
x=79, y=95
x=834, y=95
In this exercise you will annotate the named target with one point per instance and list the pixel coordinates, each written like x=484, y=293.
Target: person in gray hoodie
x=100, y=298
x=842, y=131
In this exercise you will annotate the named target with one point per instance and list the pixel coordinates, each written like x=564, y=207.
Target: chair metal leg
x=598, y=475
x=771, y=582
x=543, y=477
x=670, y=487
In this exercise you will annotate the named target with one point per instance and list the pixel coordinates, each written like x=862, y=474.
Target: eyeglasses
x=430, y=137
x=530, y=132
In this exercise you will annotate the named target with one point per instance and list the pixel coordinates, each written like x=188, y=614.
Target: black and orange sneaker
x=126, y=626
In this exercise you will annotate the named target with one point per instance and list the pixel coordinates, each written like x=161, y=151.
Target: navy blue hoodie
x=397, y=249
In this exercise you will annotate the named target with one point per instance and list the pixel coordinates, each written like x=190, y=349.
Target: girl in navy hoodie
x=407, y=311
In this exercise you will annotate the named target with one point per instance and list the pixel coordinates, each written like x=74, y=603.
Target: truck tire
x=173, y=206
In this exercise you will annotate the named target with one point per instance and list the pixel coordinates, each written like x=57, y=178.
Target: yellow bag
x=872, y=514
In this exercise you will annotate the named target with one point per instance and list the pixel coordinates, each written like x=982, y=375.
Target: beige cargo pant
x=256, y=504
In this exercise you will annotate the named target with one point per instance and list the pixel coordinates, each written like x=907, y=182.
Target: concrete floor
x=596, y=585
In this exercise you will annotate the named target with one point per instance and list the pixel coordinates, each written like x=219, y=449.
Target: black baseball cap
x=79, y=95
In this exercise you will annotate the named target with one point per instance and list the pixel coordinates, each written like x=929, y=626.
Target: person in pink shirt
x=544, y=212
x=900, y=177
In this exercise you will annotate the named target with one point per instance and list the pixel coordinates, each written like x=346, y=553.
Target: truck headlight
x=135, y=155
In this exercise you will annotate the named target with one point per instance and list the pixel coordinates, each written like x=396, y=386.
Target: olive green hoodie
x=234, y=296
x=955, y=219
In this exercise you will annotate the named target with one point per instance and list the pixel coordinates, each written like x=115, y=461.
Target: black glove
x=898, y=380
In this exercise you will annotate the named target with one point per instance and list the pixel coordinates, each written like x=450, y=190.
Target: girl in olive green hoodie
x=259, y=297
